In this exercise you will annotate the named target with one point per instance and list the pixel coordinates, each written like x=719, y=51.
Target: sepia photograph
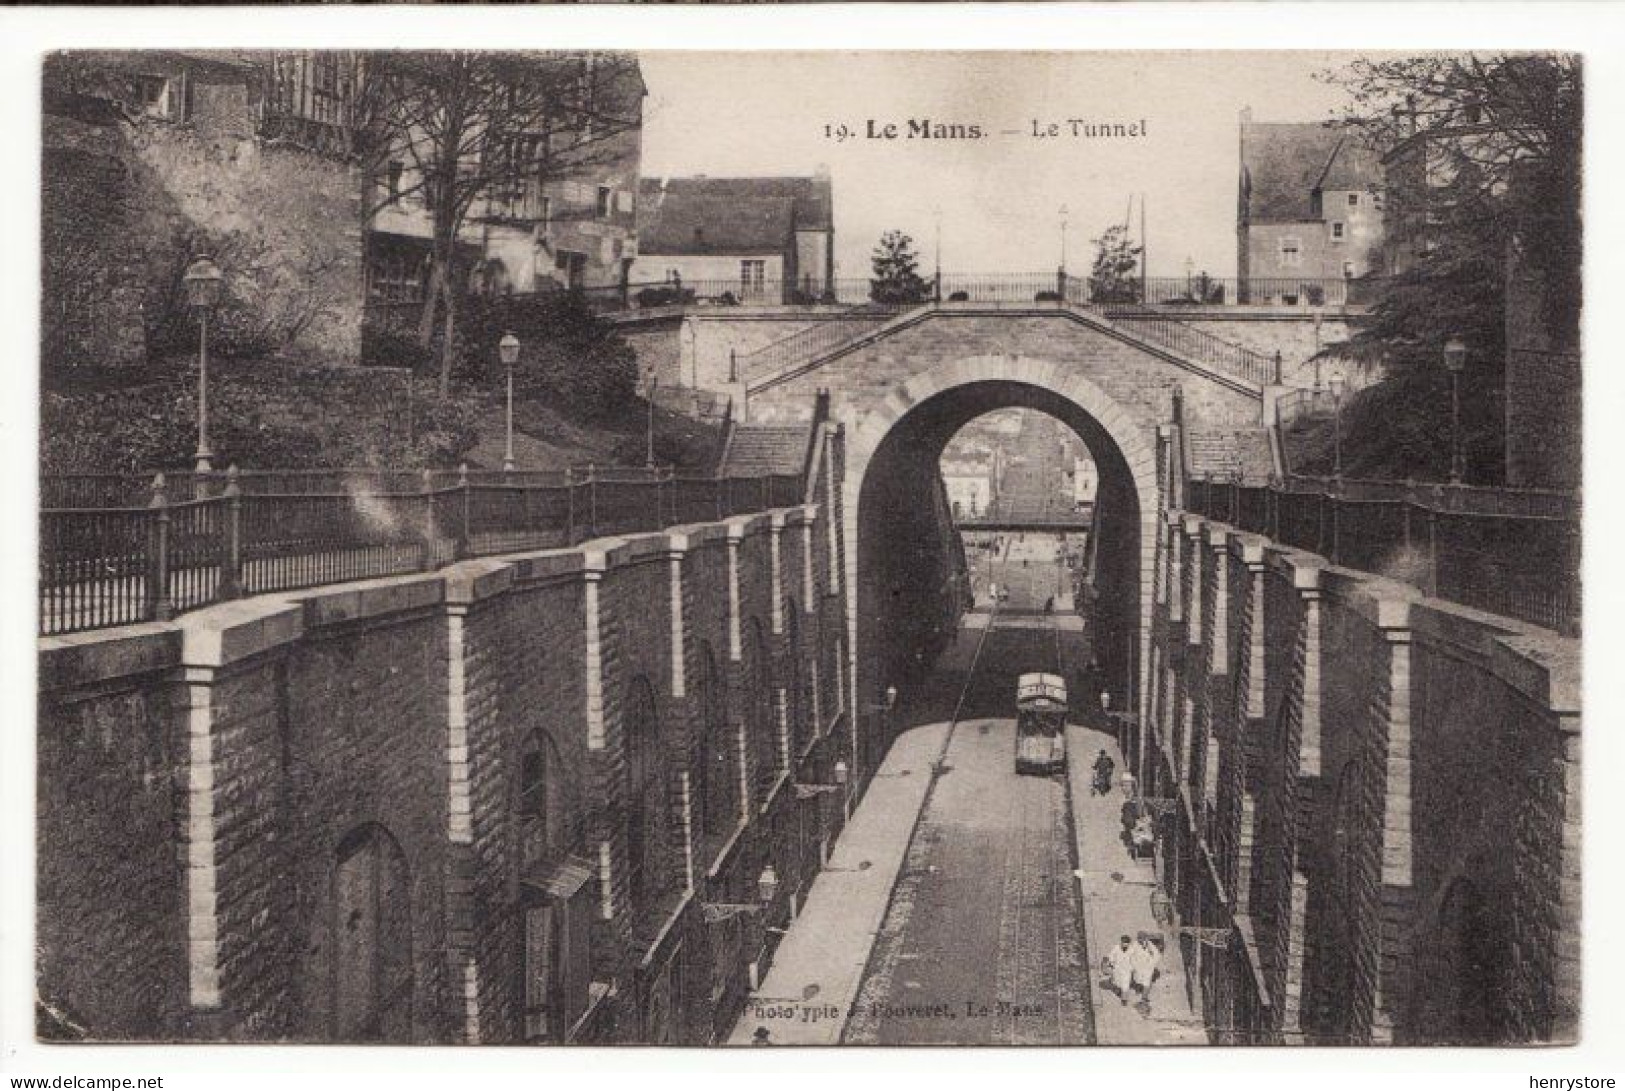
x=620, y=547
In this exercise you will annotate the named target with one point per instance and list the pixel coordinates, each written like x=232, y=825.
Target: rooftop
x=1284, y=163
x=729, y=215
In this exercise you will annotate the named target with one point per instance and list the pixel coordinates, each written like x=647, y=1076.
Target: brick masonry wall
x=204, y=782
x=1414, y=867
x=111, y=900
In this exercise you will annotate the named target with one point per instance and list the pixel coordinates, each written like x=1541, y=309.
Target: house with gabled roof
x=768, y=240
x=1309, y=212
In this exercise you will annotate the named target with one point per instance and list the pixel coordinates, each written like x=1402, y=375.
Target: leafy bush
x=568, y=356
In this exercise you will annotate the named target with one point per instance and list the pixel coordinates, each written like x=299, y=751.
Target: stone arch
x=648, y=810
x=714, y=759
x=1463, y=961
x=760, y=709
x=544, y=800
x=371, y=964
x=1134, y=440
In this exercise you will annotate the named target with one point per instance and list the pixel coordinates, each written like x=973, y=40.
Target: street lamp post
x=1063, y=238
x=1337, y=384
x=508, y=353
x=202, y=280
x=1455, y=362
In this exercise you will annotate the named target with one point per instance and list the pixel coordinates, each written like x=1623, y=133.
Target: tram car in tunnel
x=1040, y=724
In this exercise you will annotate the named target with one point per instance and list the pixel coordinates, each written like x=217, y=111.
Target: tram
x=1040, y=724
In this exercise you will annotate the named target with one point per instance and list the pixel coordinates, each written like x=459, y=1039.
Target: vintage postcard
x=809, y=548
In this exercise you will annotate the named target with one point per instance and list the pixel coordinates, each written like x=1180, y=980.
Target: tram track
x=882, y=961
x=987, y=879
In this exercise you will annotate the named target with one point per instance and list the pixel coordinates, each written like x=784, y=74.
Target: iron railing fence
x=1307, y=403
x=105, y=566
x=1513, y=552
x=1179, y=336
x=1171, y=331
x=399, y=308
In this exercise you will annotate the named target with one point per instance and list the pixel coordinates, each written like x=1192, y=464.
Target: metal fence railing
x=178, y=549
x=1513, y=552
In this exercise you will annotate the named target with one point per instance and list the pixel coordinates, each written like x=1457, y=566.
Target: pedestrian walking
x=1103, y=767
x=762, y=1037
x=1144, y=968
x=1118, y=966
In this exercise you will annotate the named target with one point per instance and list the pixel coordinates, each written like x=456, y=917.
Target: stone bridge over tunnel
x=905, y=607
x=904, y=388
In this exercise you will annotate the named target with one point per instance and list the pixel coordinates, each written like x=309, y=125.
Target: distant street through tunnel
x=982, y=939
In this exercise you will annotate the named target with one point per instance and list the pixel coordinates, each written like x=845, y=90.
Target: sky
x=1000, y=197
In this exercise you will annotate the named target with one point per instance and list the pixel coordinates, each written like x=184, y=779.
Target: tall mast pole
x=1144, y=261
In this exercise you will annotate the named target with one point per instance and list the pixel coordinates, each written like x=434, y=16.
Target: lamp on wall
x=767, y=888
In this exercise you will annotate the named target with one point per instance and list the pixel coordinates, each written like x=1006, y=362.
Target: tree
x=896, y=276
x=1481, y=151
x=1117, y=259
x=470, y=126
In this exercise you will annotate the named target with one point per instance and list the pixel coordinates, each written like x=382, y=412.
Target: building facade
x=769, y=240
x=558, y=210
x=1309, y=212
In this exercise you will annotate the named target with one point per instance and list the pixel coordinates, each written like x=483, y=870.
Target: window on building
x=606, y=202
x=1348, y=268
x=1354, y=200
x=157, y=95
x=1337, y=230
x=1291, y=253
x=396, y=170
x=572, y=267
x=752, y=276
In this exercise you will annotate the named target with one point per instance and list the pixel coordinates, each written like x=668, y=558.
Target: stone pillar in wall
x=1394, y=960
x=1303, y=780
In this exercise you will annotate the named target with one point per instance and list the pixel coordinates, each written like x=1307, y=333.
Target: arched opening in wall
x=372, y=930
x=541, y=803
x=715, y=762
x=648, y=810
x=761, y=719
x=916, y=570
x=1465, y=970
x=1340, y=1003
x=795, y=695
x=553, y=896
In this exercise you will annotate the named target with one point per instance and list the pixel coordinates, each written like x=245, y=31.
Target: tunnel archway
x=898, y=606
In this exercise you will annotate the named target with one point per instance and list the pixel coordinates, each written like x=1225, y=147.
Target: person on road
x=1103, y=774
x=1144, y=961
x=1118, y=966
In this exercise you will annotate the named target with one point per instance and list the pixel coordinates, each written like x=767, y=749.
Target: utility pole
x=1144, y=255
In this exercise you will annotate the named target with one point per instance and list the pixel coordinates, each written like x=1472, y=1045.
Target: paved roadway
x=982, y=940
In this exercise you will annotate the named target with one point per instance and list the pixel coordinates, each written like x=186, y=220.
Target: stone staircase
x=1221, y=452
x=755, y=450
